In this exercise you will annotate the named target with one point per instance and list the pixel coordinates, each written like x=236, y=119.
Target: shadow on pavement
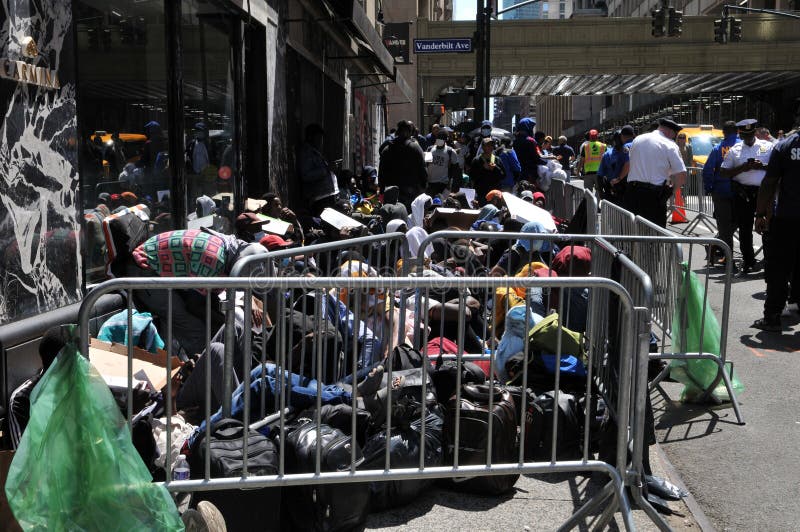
x=785, y=342
x=689, y=421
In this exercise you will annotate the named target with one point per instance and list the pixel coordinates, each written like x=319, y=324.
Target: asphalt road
x=743, y=477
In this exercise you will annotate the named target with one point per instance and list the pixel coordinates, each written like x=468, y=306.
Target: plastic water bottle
x=181, y=469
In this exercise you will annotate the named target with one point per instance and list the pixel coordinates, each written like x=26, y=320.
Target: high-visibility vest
x=594, y=151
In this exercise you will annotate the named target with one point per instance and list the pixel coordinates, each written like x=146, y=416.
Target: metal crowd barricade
x=374, y=301
x=614, y=220
x=380, y=251
x=555, y=198
x=696, y=201
x=592, y=210
x=599, y=319
x=658, y=252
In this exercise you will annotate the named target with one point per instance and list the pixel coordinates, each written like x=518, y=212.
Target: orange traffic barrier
x=678, y=211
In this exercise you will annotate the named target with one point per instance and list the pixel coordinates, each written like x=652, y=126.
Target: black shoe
x=768, y=324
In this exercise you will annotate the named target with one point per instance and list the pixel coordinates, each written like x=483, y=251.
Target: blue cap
x=437, y=200
x=486, y=123
x=151, y=125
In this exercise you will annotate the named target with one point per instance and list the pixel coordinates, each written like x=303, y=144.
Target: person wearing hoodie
x=527, y=150
x=720, y=187
x=392, y=209
x=403, y=165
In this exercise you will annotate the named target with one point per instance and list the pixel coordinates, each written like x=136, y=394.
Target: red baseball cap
x=538, y=196
x=247, y=218
x=592, y=133
x=273, y=242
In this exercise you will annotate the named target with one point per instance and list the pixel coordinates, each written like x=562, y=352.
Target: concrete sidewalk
x=540, y=503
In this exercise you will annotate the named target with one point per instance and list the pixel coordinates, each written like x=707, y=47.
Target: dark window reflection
x=209, y=73
x=122, y=117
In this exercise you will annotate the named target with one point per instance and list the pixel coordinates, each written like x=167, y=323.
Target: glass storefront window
x=210, y=72
x=122, y=117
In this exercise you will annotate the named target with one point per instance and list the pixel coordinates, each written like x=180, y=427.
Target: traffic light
x=659, y=22
x=736, y=29
x=721, y=30
x=456, y=100
x=675, y=23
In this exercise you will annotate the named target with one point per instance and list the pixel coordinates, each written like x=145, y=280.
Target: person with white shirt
x=656, y=167
x=442, y=158
x=746, y=164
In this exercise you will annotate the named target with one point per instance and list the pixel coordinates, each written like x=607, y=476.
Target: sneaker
x=213, y=518
x=772, y=324
x=206, y=518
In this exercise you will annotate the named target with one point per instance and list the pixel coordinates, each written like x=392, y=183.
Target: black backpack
x=445, y=376
x=242, y=509
x=327, y=507
x=474, y=435
x=539, y=428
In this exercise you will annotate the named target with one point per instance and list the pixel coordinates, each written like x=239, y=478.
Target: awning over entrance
x=576, y=85
x=371, y=42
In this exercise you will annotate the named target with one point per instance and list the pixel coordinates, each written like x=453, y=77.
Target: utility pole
x=480, y=45
x=482, y=40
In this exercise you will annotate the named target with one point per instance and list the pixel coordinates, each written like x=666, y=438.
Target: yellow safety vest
x=593, y=155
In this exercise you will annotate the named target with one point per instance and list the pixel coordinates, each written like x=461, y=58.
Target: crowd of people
x=419, y=183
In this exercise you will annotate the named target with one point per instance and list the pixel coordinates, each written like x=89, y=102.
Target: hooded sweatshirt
x=527, y=150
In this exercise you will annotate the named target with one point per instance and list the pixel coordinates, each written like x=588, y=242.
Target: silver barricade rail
x=556, y=198
x=380, y=251
x=373, y=303
x=592, y=210
x=573, y=195
x=614, y=220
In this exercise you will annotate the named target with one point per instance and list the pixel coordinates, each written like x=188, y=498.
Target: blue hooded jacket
x=712, y=181
x=526, y=149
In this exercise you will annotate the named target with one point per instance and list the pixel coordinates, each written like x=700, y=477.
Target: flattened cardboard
x=111, y=361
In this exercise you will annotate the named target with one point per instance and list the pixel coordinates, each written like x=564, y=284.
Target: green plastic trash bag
x=687, y=322
x=76, y=468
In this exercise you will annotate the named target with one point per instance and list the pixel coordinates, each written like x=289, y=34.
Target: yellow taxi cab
x=132, y=144
x=702, y=139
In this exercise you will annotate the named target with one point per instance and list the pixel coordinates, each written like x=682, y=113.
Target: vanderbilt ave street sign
x=442, y=46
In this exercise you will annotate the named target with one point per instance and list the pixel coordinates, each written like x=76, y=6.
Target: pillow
x=183, y=253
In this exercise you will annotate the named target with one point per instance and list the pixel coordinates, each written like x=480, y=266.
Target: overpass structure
x=599, y=55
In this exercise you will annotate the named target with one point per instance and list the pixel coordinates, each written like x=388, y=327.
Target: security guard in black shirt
x=779, y=223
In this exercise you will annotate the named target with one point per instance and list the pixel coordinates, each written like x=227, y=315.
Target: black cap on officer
x=668, y=122
x=627, y=131
x=747, y=126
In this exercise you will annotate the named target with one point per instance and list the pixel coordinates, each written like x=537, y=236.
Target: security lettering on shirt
x=784, y=164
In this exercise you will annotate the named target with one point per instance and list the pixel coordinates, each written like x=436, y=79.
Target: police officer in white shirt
x=656, y=166
x=746, y=164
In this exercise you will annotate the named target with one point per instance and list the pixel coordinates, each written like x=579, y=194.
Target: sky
x=464, y=9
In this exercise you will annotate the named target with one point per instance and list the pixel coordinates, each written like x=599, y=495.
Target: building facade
x=166, y=102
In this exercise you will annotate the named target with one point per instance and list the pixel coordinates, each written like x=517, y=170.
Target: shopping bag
x=76, y=468
x=688, y=323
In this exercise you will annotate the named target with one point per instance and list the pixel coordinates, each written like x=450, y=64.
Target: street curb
x=691, y=503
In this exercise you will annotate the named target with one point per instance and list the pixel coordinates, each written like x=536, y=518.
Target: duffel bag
x=327, y=507
x=404, y=452
x=245, y=509
x=474, y=435
x=539, y=428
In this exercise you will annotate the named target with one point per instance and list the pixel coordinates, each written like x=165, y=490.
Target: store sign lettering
x=26, y=73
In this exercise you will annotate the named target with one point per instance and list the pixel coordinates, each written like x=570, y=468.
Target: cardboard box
x=461, y=218
x=111, y=361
